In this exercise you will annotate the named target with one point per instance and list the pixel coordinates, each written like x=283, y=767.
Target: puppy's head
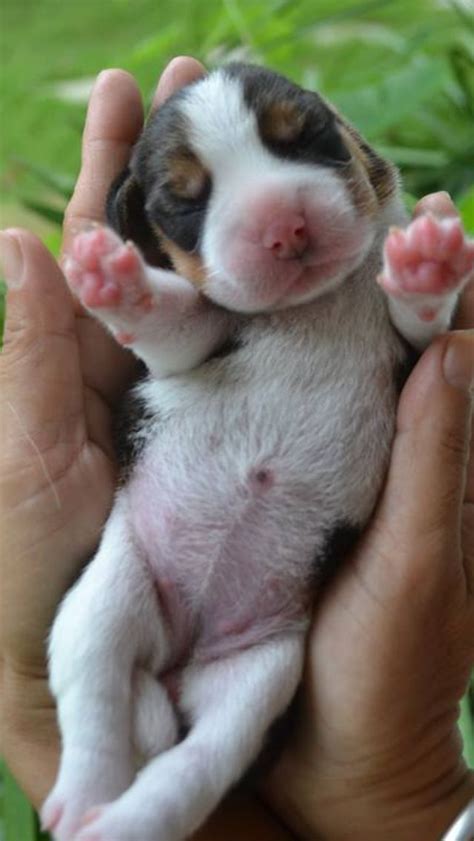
x=253, y=189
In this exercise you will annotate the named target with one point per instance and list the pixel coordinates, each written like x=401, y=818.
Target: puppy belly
x=232, y=567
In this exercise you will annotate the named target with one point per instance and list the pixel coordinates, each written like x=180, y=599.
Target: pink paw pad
x=106, y=272
x=431, y=257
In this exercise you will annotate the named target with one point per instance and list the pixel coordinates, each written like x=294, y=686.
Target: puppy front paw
x=107, y=273
x=428, y=261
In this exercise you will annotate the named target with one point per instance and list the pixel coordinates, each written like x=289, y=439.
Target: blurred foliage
x=403, y=72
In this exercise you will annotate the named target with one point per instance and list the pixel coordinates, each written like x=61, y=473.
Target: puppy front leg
x=159, y=315
x=230, y=704
x=107, y=622
x=425, y=268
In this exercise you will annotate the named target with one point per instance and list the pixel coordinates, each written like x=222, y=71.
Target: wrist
x=29, y=735
x=337, y=803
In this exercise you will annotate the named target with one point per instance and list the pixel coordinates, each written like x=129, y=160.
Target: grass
x=402, y=71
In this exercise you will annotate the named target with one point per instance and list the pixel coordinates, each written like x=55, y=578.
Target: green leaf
x=47, y=211
x=19, y=817
x=405, y=156
x=462, y=64
x=466, y=725
x=60, y=182
x=465, y=206
x=409, y=201
x=154, y=46
x=376, y=108
x=53, y=242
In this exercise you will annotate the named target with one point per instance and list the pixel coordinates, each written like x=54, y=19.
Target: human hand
x=61, y=375
x=392, y=644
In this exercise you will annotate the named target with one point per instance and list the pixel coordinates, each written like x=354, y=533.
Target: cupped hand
x=376, y=752
x=61, y=375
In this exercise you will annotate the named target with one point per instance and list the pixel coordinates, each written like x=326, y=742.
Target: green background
x=402, y=71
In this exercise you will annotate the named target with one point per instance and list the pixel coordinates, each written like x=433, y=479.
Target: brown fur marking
x=358, y=179
x=189, y=266
x=381, y=173
x=282, y=121
x=187, y=176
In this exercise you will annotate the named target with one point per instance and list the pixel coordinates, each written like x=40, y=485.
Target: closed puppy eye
x=301, y=129
x=187, y=177
x=282, y=122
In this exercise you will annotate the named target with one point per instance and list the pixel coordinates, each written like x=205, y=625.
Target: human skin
x=392, y=640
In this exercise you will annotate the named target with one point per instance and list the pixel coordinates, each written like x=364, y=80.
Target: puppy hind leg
x=108, y=621
x=230, y=704
x=154, y=725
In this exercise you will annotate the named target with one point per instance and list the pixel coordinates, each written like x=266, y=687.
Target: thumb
x=39, y=366
x=421, y=506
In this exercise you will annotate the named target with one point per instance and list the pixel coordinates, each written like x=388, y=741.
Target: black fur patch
x=231, y=345
x=339, y=543
x=405, y=367
x=125, y=212
x=181, y=219
x=133, y=424
x=317, y=141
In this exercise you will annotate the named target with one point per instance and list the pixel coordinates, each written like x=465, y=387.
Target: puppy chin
x=238, y=296
x=259, y=294
x=298, y=282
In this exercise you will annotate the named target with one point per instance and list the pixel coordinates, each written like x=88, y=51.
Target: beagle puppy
x=260, y=262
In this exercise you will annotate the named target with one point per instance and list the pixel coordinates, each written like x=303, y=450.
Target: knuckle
x=18, y=341
x=454, y=444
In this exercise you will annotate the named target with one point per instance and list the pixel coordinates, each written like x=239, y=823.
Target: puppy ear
x=382, y=174
x=125, y=212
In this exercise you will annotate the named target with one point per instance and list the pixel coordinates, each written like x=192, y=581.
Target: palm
x=61, y=457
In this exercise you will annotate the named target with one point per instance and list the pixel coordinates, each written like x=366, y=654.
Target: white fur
x=222, y=129
x=405, y=316
x=206, y=563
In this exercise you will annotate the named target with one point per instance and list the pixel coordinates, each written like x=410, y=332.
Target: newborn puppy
x=274, y=341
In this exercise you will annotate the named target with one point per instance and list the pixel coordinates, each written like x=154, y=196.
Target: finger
x=422, y=503
x=465, y=315
x=39, y=370
x=114, y=120
x=467, y=534
x=179, y=72
x=108, y=369
x=440, y=204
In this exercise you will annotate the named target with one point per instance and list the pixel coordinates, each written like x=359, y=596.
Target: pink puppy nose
x=286, y=236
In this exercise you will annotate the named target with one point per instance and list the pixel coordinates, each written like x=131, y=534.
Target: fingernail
x=11, y=260
x=458, y=362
